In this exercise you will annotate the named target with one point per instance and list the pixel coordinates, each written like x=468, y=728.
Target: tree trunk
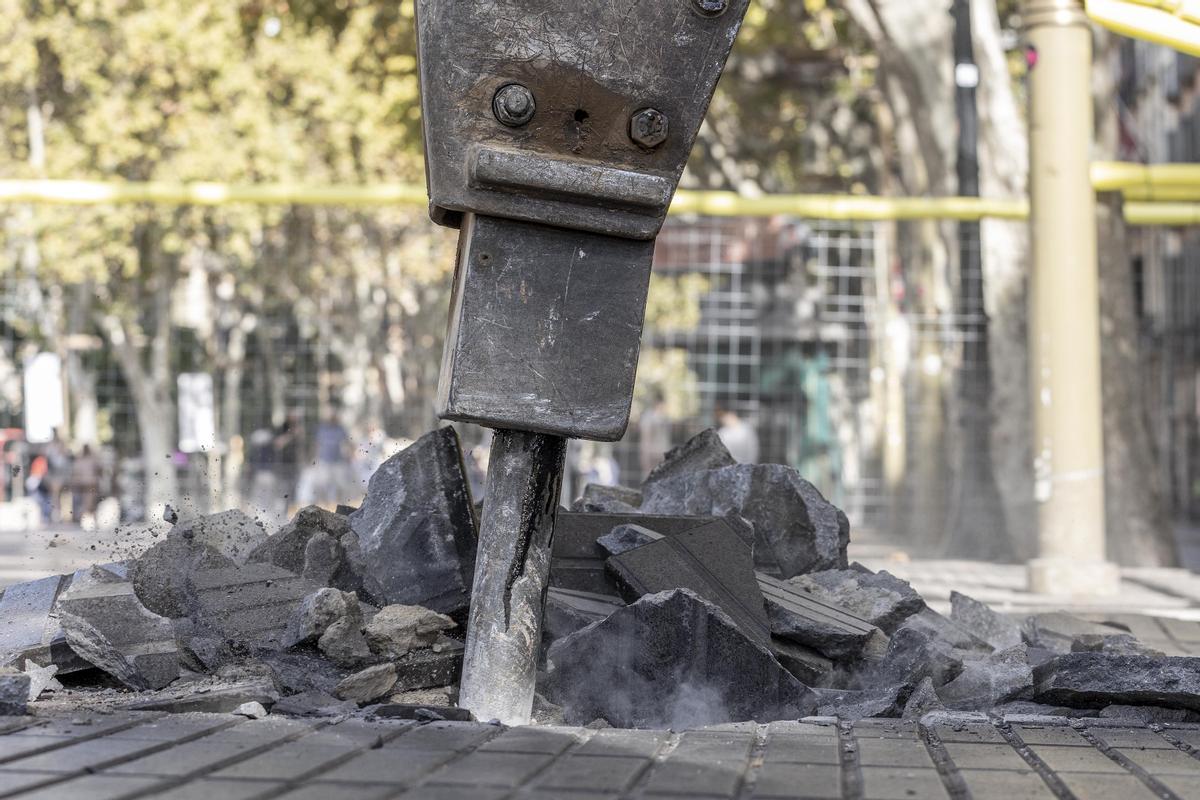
x=1138, y=524
x=155, y=413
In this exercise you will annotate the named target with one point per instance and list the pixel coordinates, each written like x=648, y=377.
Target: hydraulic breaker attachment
x=556, y=132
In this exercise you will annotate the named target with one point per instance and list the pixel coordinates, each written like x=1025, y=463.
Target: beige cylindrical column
x=1064, y=324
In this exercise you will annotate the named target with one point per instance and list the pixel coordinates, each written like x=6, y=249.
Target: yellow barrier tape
x=1150, y=21
x=1171, y=182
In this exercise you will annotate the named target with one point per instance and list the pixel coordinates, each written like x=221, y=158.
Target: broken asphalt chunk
x=829, y=629
x=14, y=692
x=880, y=598
x=624, y=538
x=249, y=605
x=671, y=660
x=708, y=560
x=368, y=684
x=106, y=624
x=1057, y=631
x=212, y=695
x=986, y=682
x=440, y=665
x=567, y=611
x=796, y=529
x=231, y=533
x=577, y=561
x=311, y=545
x=702, y=452
x=396, y=629
x=162, y=576
x=1097, y=680
x=996, y=629
x=415, y=534
x=28, y=629
x=810, y=667
x=608, y=499
x=853, y=705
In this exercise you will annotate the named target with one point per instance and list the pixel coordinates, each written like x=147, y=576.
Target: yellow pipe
x=843, y=207
x=1149, y=21
x=1167, y=214
x=1113, y=176
x=207, y=194
x=848, y=207
x=1164, y=185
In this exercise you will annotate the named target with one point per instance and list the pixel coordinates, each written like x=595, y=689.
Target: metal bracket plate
x=545, y=329
x=591, y=66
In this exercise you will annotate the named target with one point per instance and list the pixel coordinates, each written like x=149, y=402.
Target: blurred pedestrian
x=739, y=436
x=58, y=462
x=288, y=438
x=333, y=445
x=37, y=487
x=84, y=484
x=654, y=434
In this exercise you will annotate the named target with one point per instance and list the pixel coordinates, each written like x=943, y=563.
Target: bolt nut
x=711, y=8
x=514, y=105
x=649, y=128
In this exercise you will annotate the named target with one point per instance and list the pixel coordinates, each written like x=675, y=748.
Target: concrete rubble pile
x=717, y=592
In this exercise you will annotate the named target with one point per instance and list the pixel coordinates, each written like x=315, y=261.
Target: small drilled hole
x=581, y=116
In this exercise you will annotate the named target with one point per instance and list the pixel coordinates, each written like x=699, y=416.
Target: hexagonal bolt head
x=711, y=8
x=514, y=105
x=649, y=128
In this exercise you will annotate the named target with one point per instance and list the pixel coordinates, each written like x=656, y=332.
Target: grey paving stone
x=178, y=726
x=1191, y=737
x=287, y=761
x=1076, y=759
x=89, y=725
x=217, y=789
x=446, y=736
x=1163, y=762
x=694, y=777
x=364, y=733
x=986, y=756
x=550, y=741
x=1094, y=786
x=491, y=769
x=1183, y=785
x=617, y=742
x=801, y=750
x=797, y=780
x=592, y=773
x=977, y=732
x=454, y=793
x=338, y=791
x=1052, y=734
x=15, y=747
x=899, y=783
x=83, y=755
x=1140, y=738
x=1005, y=785
x=183, y=759
x=388, y=766
x=885, y=729
x=893, y=753
x=11, y=782
x=91, y=787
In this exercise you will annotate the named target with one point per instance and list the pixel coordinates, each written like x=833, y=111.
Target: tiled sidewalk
x=216, y=757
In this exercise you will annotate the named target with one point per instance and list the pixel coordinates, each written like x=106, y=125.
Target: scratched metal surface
x=591, y=65
x=545, y=328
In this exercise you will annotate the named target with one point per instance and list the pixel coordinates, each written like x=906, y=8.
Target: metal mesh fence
x=834, y=341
